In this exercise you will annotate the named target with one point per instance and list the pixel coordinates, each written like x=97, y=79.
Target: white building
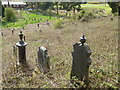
x=14, y=4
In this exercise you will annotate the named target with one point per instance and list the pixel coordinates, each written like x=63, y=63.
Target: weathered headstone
x=43, y=59
x=38, y=25
x=21, y=48
x=40, y=18
x=12, y=32
x=15, y=50
x=112, y=18
x=47, y=23
x=2, y=33
x=40, y=30
x=81, y=60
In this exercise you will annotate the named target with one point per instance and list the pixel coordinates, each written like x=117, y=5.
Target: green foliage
x=44, y=5
x=84, y=15
x=26, y=16
x=114, y=6
x=58, y=23
x=9, y=14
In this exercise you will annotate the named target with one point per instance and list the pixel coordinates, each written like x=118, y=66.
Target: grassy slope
x=28, y=16
x=101, y=36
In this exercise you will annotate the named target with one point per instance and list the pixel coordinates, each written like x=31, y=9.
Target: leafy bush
x=58, y=23
x=87, y=16
x=9, y=14
x=84, y=15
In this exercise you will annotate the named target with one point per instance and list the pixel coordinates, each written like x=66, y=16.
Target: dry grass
x=101, y=35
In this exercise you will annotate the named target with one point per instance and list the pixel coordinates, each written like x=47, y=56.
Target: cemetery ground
x=101, y=34
x=102, y=37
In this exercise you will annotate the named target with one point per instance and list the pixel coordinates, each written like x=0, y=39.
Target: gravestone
x=38, y=25
x=40, y=18
x=40, y=30
x=47, y=23
x=12, y=32
x=81, y=60
x=2, y=33
x=15, y=50
x=21, y=48
x=43, y=59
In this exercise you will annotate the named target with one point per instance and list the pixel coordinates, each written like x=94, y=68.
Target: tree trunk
x=74, y=10
x=57, y=8
x=8, y=4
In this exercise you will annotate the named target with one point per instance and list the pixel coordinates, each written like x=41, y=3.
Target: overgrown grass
x=97, y=7
x=101, y=34
x=27, y=18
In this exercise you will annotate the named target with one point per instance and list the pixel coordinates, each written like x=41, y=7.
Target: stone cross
x=43, y=59
x=21, y=48
x=81, y=60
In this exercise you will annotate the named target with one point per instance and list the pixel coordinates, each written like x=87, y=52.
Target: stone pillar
x=43, y=59
x=21, y=49
x=81, y=60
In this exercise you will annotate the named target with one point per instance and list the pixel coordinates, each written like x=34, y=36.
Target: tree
x=9, y=14
x=113, y=6
x=44, y=5
x=71, y=6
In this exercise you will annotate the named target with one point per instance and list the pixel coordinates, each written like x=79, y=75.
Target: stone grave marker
x=47, y=23
x=43, y=59
x=2, y=33
x=81, y=60
x=15, y=50
x=38, y=25
x=40, y=18
x=34, y=19
x=40, y=30
x=12, y=32
x=21, y=49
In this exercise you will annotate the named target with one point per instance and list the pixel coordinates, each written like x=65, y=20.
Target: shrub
x=58, y=23
x=9, y=14
x=87, y=16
